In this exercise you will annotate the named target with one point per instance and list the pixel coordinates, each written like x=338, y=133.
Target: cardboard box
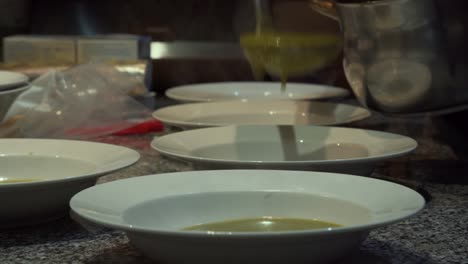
x=70, y=50
x=39, y=50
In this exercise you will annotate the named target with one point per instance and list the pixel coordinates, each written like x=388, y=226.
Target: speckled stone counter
x=437, y=235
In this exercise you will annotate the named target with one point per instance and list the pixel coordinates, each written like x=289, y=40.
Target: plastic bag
x=86, y=101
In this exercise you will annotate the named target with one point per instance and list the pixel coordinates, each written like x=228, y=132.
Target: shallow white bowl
x=61, y=167
x=152, y=210
x=221, y=91
x=331, y=149
x=260, y=112
x=8, y=97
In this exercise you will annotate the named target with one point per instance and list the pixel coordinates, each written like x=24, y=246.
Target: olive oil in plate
x=263, y=224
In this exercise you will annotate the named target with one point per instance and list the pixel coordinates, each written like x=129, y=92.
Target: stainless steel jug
x=404, y=56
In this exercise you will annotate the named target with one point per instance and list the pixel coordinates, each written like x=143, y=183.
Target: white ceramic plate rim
x=200, y=92
x=412, y=146
x=133, y=157
x=159, y=114
x=118, y=222
x=14, y=78
x=15, y=90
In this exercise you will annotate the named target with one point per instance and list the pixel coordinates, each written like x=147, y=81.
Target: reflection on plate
x=261, y=112
x=332, y=149
x=39, y=176
x=207, y=92
x=153, y=211
x=10, y=80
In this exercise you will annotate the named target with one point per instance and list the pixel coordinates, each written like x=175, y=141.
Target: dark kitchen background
x=209, y=21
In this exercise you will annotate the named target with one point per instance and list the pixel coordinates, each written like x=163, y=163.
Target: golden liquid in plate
x=17, y=180
x=289, y=54
x=263, y=224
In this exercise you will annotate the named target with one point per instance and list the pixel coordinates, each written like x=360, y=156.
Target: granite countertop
x=437, y=235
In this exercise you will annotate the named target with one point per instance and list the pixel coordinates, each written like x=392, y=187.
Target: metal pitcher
x=404, y=56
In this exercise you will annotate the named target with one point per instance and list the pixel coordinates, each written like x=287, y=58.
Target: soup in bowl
x=246, y=216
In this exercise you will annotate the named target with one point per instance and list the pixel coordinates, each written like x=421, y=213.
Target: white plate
x=153, y=209
x=61, y=168
x=261, y=112
x=332, y=149
x=207, y=92
x=12, y=79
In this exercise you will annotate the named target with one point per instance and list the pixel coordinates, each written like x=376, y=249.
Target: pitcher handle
x=324, y=7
